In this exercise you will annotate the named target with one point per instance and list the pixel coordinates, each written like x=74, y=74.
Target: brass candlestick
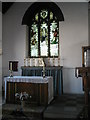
x=24, y=61
x=28, y=61
x=43, y=68
x=11, y=75
x=33, y=61
x=58, y=61
x=43, y=71
x=48, y=61
x=53, y=61
x=40, y=62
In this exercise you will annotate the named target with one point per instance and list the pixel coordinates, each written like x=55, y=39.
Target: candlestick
x=58, y=61
x=48, y=61
x=11, y=75
x=40, y=62
x=24, y=62
x=53, y=61
x=36, y=61
x=33, y=61
x=43, y=68
x=28, y=61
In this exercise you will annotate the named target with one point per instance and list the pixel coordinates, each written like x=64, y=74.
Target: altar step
x=63, y=107
x=10, y=113
x=66, y=107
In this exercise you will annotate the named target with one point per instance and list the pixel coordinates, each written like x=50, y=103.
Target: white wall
x=0, y=60
x=73, y=35
x=0, y=49
x=89, y=24
x=14, y=36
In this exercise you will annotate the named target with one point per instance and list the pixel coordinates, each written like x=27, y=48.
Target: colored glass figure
x=36, y=17
x=44, y=14
x=34, y=40
x=53, y=33
x=44, y=39
x=51, y=15
x=54, y=39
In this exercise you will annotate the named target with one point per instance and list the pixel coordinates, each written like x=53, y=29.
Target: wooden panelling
x=38, y=93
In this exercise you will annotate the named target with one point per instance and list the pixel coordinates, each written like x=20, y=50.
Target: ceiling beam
x=6, y=6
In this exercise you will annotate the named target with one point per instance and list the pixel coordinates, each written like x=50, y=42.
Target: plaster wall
x=73, y=35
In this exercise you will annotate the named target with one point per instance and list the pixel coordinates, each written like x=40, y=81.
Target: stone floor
x=14, y=111
x=63, y=107
x=0, y=106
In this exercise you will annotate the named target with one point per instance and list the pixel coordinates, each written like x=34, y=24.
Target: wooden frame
x=84, y=72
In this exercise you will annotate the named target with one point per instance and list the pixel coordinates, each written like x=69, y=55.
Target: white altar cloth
x=32, y=79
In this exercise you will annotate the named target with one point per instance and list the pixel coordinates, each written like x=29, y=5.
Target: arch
x=36, y=7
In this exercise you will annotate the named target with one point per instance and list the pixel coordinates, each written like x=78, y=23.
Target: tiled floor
x=0, y=106
x=66, y=106
x=28, y=112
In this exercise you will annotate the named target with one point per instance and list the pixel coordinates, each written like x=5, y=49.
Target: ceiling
x=6, y=6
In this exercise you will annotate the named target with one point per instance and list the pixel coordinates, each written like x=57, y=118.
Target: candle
x=39, y=61
x=33, y=61
x=48, y=61
x=11, y=66
x=43, y=67
x=58, y=61
x=28, y=61
x=24, y=62
x=77, y=73
x=85, y=59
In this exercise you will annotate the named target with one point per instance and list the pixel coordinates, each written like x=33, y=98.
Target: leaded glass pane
x=43, y=14
x=55, y=18
x=34, y=40
x=36, y=17
x=54, y=38
x=51, y=15
x=44, y=39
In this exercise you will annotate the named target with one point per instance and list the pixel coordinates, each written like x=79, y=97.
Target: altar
x=39, y=89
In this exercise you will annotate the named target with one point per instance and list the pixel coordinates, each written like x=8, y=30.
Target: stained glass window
x=44, y=35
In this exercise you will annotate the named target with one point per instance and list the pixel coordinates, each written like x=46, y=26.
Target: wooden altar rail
x=84, y=48
x=56, y=72
x=84, y=72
